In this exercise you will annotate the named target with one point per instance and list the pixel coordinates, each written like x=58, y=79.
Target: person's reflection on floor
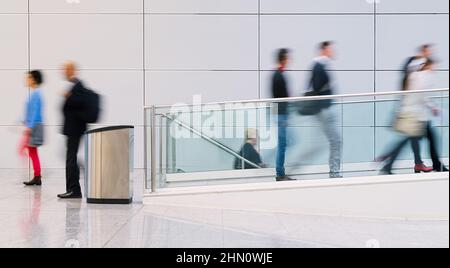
x=73, y=224
x=32, y=230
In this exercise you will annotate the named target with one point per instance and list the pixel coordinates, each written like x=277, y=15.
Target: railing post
x=145, y=150
x=173, y=152
x=153, y=176
x=161, y=151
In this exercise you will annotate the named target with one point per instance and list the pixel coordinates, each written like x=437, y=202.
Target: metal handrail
x=209, y=109
x=326, y=97
x=153, y=109
x=211, y=140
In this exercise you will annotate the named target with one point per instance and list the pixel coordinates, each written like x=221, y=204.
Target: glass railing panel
x=445, y=142
x=358, y=135
x=387, y=137
x=221, y=127
x=445, y=111
x=202, y=145
x=444, y=124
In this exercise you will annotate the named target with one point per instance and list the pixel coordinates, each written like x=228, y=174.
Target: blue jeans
x=282, y=143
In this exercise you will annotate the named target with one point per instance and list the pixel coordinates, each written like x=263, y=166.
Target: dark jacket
x=249, y=153
x=406, y=72
x=73, y=107
x=321, y=83
x=280, y=90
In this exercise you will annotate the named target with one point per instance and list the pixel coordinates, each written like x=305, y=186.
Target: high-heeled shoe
x=35, y=181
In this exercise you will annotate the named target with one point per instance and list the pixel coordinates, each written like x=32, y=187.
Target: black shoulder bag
x=313, y=107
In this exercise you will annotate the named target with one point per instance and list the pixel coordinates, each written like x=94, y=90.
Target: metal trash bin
x=109, y=165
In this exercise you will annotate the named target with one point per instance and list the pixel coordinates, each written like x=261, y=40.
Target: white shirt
x=418, y=104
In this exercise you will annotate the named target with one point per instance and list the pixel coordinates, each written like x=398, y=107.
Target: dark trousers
x=415, y=145
x=392, y=157
x=431, y=137
x=72, y=168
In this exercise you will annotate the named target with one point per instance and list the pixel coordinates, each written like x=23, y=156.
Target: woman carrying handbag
x=412, y=118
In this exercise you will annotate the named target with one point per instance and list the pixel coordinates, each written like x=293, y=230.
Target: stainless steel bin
x=109, y=165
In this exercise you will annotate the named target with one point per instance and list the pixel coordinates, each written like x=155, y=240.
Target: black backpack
x=92, y=104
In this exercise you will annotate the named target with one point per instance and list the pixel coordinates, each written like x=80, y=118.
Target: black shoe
x=70, y=195
x=442, y=168
x=284, y=178
x=35, y=181
x=386, y=172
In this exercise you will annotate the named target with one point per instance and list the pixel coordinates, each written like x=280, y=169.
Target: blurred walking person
x=413, y=120
x=412, y=65
x=422, y=80
x=74, y=128
x=322, y=85
x=34, y=130
x=280, y=89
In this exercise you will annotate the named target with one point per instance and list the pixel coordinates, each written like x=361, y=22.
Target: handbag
x=37, y=136
x=313, y=107
x=408, y=124
x=310, y=107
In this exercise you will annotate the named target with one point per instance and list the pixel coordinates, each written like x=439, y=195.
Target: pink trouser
x=33, y=153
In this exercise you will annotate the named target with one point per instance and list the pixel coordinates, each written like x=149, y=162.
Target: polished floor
x=33, y=217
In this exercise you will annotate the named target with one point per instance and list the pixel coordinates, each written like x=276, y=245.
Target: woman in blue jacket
x=34, y=130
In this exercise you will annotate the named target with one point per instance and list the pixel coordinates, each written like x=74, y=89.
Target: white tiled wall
x=354, y=36
x=138, y=52
x=13, y=97
x=316, y=6
x=13, y=6
x=14, y=39
x=408, y=6
x=201, y=6
x=211, y=42
x=86, y=6
x=96, y=41
x=398, y=36
x=168, y=87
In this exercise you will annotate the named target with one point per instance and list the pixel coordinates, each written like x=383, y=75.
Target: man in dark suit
x=74, y=128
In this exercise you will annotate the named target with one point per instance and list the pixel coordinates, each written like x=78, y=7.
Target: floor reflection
x=31, y=228
x=73, y=224
x=33, y=217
